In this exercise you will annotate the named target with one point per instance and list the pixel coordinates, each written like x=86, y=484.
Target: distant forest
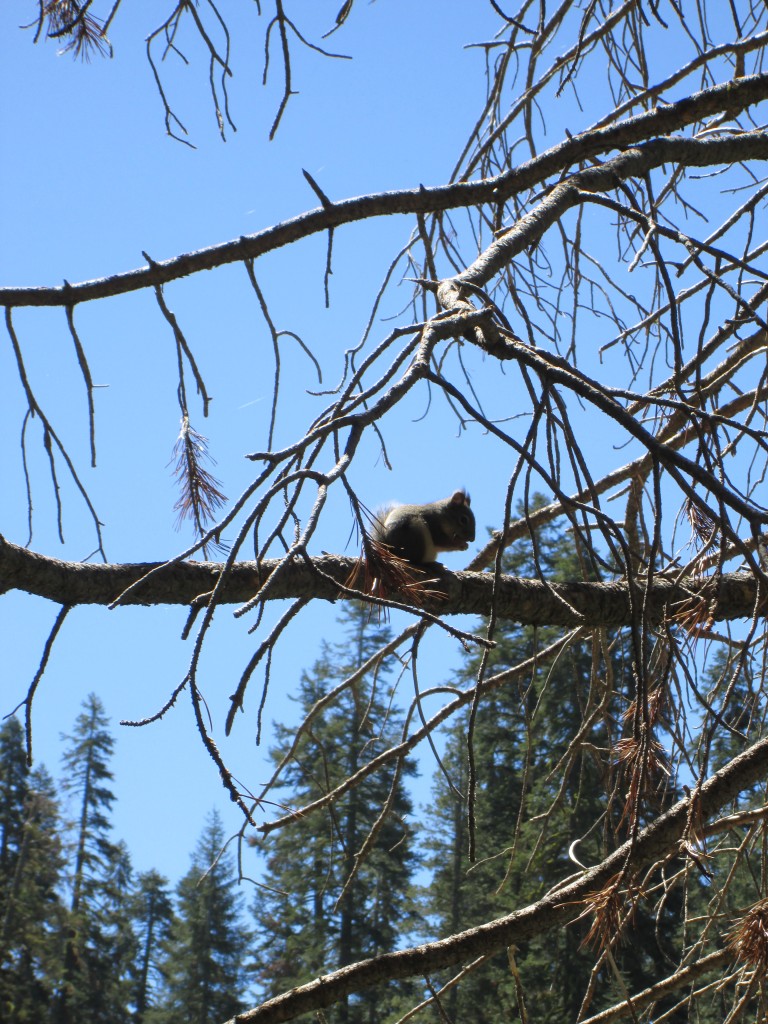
x=86, y=940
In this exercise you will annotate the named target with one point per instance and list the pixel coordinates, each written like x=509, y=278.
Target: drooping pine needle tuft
x=385, y=574
x=200, y=495
x=611, y=910
x=641, y=759
x=695, y=615
x=67, y=19
x=748, y=939
x=703, y=524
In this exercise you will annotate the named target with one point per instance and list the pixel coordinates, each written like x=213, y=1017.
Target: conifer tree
x=96, y=945
x=30, y=866
x=536, y=791
x=204, y=966
x=323, y=905
x=14, y=784
x=151, y=909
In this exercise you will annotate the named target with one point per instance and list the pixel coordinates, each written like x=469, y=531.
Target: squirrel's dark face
x=465, y=526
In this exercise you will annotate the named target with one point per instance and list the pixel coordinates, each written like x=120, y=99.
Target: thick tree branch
x=729, y=596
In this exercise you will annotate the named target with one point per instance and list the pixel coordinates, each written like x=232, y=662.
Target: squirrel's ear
x=460, y=498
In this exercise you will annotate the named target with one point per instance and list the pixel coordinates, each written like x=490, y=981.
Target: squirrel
x=418, y=533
